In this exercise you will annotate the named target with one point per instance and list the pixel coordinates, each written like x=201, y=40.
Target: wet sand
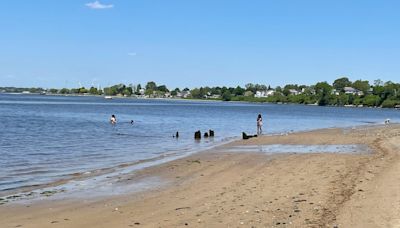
x=218, y=188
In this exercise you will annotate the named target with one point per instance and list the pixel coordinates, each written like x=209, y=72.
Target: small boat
x=107, y=97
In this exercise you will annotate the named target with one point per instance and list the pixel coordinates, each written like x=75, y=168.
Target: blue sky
x=182, y=43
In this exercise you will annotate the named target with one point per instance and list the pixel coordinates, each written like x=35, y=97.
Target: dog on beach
x=387, y=121
x=246, y=136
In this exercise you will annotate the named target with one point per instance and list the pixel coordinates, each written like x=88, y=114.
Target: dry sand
x=232, y=189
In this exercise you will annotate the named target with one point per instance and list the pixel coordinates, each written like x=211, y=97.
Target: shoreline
x=35, y=192
x=63, y=185
x=219, y=188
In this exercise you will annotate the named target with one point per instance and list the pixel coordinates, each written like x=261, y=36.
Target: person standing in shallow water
x=113, y=119
x=259, y=124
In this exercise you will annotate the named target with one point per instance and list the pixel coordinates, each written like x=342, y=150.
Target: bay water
x=48, y=138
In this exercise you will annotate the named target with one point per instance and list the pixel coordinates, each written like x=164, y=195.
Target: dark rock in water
x=197, y=135
x=206, y=135
x=211, y=132
x=177, y=134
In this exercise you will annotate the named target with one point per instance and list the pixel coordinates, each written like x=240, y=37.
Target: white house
x=294, y=92
x=267, y=93
x=351, y=90
x=260, y=94
x=270, y=92
x=183, y=94
x=335, y=92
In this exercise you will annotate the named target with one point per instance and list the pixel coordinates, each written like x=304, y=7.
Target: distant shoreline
x=190, y=99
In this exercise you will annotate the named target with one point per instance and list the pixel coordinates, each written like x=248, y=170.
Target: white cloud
x=98, y=5
x=132, y=54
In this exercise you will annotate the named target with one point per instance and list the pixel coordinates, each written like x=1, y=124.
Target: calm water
x=46, y=138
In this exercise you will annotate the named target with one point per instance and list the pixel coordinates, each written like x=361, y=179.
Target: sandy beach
x=221, y=188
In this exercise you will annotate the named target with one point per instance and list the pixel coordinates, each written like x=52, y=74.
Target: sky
x=181, y=43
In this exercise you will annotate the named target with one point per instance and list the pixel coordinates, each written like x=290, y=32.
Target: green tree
x=378, y=90
x=343, y=99
x=340, y=83
x=64, y=91
x=250, y=87
x=53, y=91
x=378, y=82
x=127, y=91
x=216, y=90
x=175, y=91
x=202, y=92
x=389, y=103
x=83, y=90
x=226, y=96
x=357, y=101
x=163, y=88
x=362, y=86
x=238, y=91
x=390, y=90
x=111, y=91
x=323, y=90
x=138, y=88
x=372, y=100
x=149, y=92
x=195, y=93
x=74, y=91
x=151, y=86
x=93, y=90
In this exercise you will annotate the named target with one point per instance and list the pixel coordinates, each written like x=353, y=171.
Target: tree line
x=341, y=92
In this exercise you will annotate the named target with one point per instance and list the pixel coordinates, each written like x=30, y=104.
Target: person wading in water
x=259, y=124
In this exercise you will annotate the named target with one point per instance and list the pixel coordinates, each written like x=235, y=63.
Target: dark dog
x=245, y=136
